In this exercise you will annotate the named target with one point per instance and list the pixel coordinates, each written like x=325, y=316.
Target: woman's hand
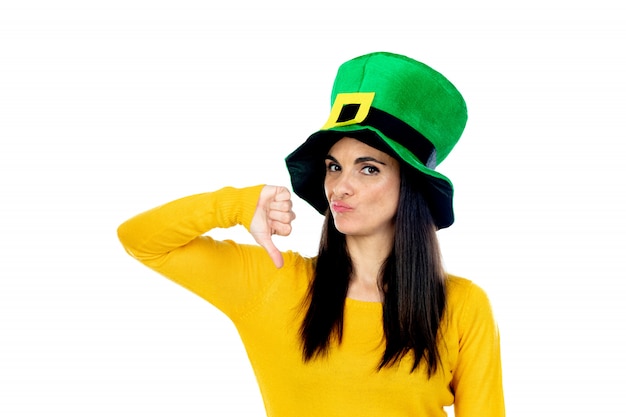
x=273, y=216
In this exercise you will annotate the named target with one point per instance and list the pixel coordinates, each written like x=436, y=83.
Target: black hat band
x=396, y=129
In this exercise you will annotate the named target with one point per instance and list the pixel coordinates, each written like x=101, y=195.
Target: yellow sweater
x=265, y=304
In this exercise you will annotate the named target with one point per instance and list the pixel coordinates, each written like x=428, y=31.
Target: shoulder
x=459, y=288
x=296, y=261
x=285, y=286
x=260, y=261
x=466, y=297
x=297, y=270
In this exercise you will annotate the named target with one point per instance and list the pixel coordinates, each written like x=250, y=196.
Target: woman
x=372, y=326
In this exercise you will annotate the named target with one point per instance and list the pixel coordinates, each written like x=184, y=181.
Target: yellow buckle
x=364, y=100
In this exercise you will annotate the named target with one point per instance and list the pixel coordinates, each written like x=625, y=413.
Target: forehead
x=352, y=147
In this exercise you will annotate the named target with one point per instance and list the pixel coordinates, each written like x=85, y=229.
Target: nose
x=343, y=185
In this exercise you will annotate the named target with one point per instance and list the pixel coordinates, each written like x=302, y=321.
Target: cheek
x=389, y=189
x=391, y=194
x=327, y=189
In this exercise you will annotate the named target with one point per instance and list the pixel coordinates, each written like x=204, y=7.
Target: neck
x=367, y=256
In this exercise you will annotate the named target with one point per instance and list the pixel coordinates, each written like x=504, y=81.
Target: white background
x=108, y=108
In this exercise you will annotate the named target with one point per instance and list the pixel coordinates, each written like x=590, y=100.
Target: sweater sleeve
x=477, y=379
x=171, y=240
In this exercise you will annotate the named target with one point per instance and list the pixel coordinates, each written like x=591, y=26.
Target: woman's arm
x=477, y=379
x=171, y=240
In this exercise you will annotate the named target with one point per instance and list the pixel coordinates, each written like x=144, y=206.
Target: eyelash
x=332, y=167
x=371, y=170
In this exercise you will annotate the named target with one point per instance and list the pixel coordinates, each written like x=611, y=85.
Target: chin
x=344, y=227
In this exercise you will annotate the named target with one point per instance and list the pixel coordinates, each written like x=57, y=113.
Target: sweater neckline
x=370, y=305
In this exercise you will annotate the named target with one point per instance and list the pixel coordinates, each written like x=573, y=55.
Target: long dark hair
x=413, y=284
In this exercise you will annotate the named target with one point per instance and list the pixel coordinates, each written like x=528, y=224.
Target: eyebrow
x=359, y=160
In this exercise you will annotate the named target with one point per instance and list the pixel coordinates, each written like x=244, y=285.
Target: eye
x=332, y=167
x=370, y=170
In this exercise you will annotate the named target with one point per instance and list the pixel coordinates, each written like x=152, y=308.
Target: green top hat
x=415, y=113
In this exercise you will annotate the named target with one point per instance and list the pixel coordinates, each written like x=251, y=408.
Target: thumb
x=267, y=243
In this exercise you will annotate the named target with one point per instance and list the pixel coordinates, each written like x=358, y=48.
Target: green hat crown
x=403, y=89
x=413, y=111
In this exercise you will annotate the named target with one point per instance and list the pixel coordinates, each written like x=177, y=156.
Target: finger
x=277, y=257
x=281, y=229
x=282, y=194
x=272, y=251
x=285, y=217
x=283, y=205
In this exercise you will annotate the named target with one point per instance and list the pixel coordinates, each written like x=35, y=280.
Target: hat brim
x=307, y=170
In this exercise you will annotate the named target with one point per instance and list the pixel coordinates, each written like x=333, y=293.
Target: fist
x=273, y=216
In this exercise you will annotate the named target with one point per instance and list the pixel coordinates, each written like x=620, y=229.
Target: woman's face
x=362, y=187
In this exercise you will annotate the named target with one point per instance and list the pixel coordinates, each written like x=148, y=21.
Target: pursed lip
x=339, y=207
